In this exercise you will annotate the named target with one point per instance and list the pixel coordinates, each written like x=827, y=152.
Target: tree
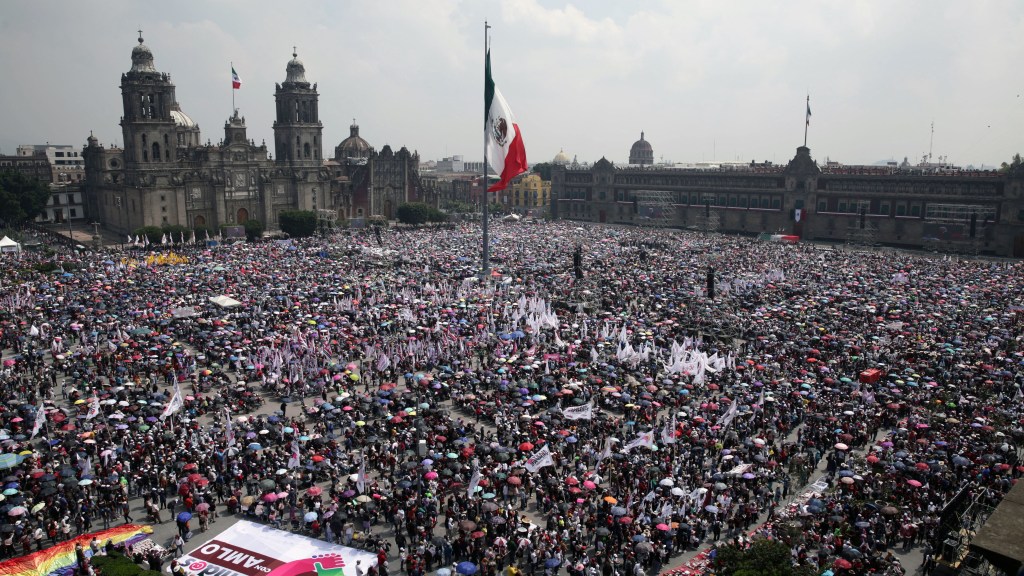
x=1015, y=169
x=21, y=198
x=253, y=230
x=763, y=558
x=297, y=223
x=154, y=233
x=413, y=213
x=544, y=169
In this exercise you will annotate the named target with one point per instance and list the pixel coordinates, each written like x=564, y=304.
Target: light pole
x=96, y=235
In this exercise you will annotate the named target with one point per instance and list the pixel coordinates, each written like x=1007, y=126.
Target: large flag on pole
x=808, y=111
x=236, y=82
x=505, y=150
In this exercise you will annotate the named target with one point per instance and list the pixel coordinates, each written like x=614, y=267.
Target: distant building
x=66, y=162
x=37, y=167
x=369, y=183
x=165, y=175
x=561, y=159
x=527, y=193
x=452, y=164
x=641, y=153
x=959, y=210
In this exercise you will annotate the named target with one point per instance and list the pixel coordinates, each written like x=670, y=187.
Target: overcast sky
x=704, y=79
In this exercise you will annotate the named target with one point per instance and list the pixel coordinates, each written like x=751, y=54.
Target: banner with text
x=249, y=549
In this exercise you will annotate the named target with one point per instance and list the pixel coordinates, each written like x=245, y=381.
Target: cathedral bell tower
x=148, y=128
x=297, y=129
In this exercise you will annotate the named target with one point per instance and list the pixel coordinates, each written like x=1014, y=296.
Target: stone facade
x=908, y=208
x=165, y=175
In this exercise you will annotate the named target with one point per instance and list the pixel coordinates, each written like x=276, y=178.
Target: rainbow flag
x=62, y=555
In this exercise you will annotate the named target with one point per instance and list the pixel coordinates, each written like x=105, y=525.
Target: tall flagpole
x=485, y=264
x=486, y=256
x=807, y=119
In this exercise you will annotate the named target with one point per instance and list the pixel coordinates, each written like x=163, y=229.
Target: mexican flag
x=236, y=82
x=505, y=151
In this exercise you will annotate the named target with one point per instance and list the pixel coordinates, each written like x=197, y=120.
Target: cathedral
x=165, y=175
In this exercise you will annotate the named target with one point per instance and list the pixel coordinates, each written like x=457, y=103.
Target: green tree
x=413, y=213
x=763, y=558
x=544, y=169
x=253, y=230
x=435, y=215
x=154, y=233
x=297, y=223
x=496, y=208
x=1015, y=168
x=21, y=198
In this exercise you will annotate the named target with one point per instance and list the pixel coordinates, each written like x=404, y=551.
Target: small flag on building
x=236, y=82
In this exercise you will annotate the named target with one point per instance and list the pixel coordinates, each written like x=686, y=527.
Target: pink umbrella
x=270, y=497
x=430, y=475
x=662, y=526
x=914, y=483
x=589, y=485
x=202, y=507
x=314, y=490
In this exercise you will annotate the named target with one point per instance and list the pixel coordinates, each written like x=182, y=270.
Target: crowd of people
x=529, y=420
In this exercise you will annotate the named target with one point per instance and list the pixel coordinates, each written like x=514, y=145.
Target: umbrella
x=466, y=568
x=184, y=516
x=309, y=516
x=203, y=507
x=314, y=491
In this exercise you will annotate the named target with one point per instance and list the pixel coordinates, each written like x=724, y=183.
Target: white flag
x=668, y=434
x=727, y=418
x=94, y=408
x=296, y=458
x=645, y=439
x=361, y=477
x=174, y=405
x=584, y=412
x=229, y=433
x=163, y=239
x=193, y=238
x=40, y=420
x=608, y=442
x=473, y=483
x=540, y=459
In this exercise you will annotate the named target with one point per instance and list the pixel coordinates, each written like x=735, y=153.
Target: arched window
x=156, y=152
x=305, y=149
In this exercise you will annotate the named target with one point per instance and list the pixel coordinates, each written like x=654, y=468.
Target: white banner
x=540, y=459
x=249, y=549
x=797, y=213
x=584, y=412
x=473, y=483
x=645, y=439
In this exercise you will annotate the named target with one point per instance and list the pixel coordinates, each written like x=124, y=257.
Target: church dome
x=352, y=147
x=641, y=152
x=142, y=58
x=296, y=70
x=561, y=158
x=181, y=119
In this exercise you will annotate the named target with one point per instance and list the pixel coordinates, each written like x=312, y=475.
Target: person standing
x=179, y=545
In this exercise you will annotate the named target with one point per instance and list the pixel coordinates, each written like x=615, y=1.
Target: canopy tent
x=225, y=301
x=8, y=245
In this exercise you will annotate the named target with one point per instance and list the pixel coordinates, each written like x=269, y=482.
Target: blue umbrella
x=184, y=517
x=466, y=568
x=255, y=446
x=552, y=562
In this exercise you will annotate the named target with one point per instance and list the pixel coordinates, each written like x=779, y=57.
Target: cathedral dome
x=352, y=147
x=296, y=69
x=641, y=152
x=142, y=58
x=181, y=119
x=561, y=158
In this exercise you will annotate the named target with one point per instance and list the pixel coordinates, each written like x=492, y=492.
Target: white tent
x=225, y=301
x=8, y=245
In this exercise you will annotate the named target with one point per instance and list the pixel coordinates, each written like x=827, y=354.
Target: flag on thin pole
x=236, y=82
x=807, y=120
x=505, y=150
